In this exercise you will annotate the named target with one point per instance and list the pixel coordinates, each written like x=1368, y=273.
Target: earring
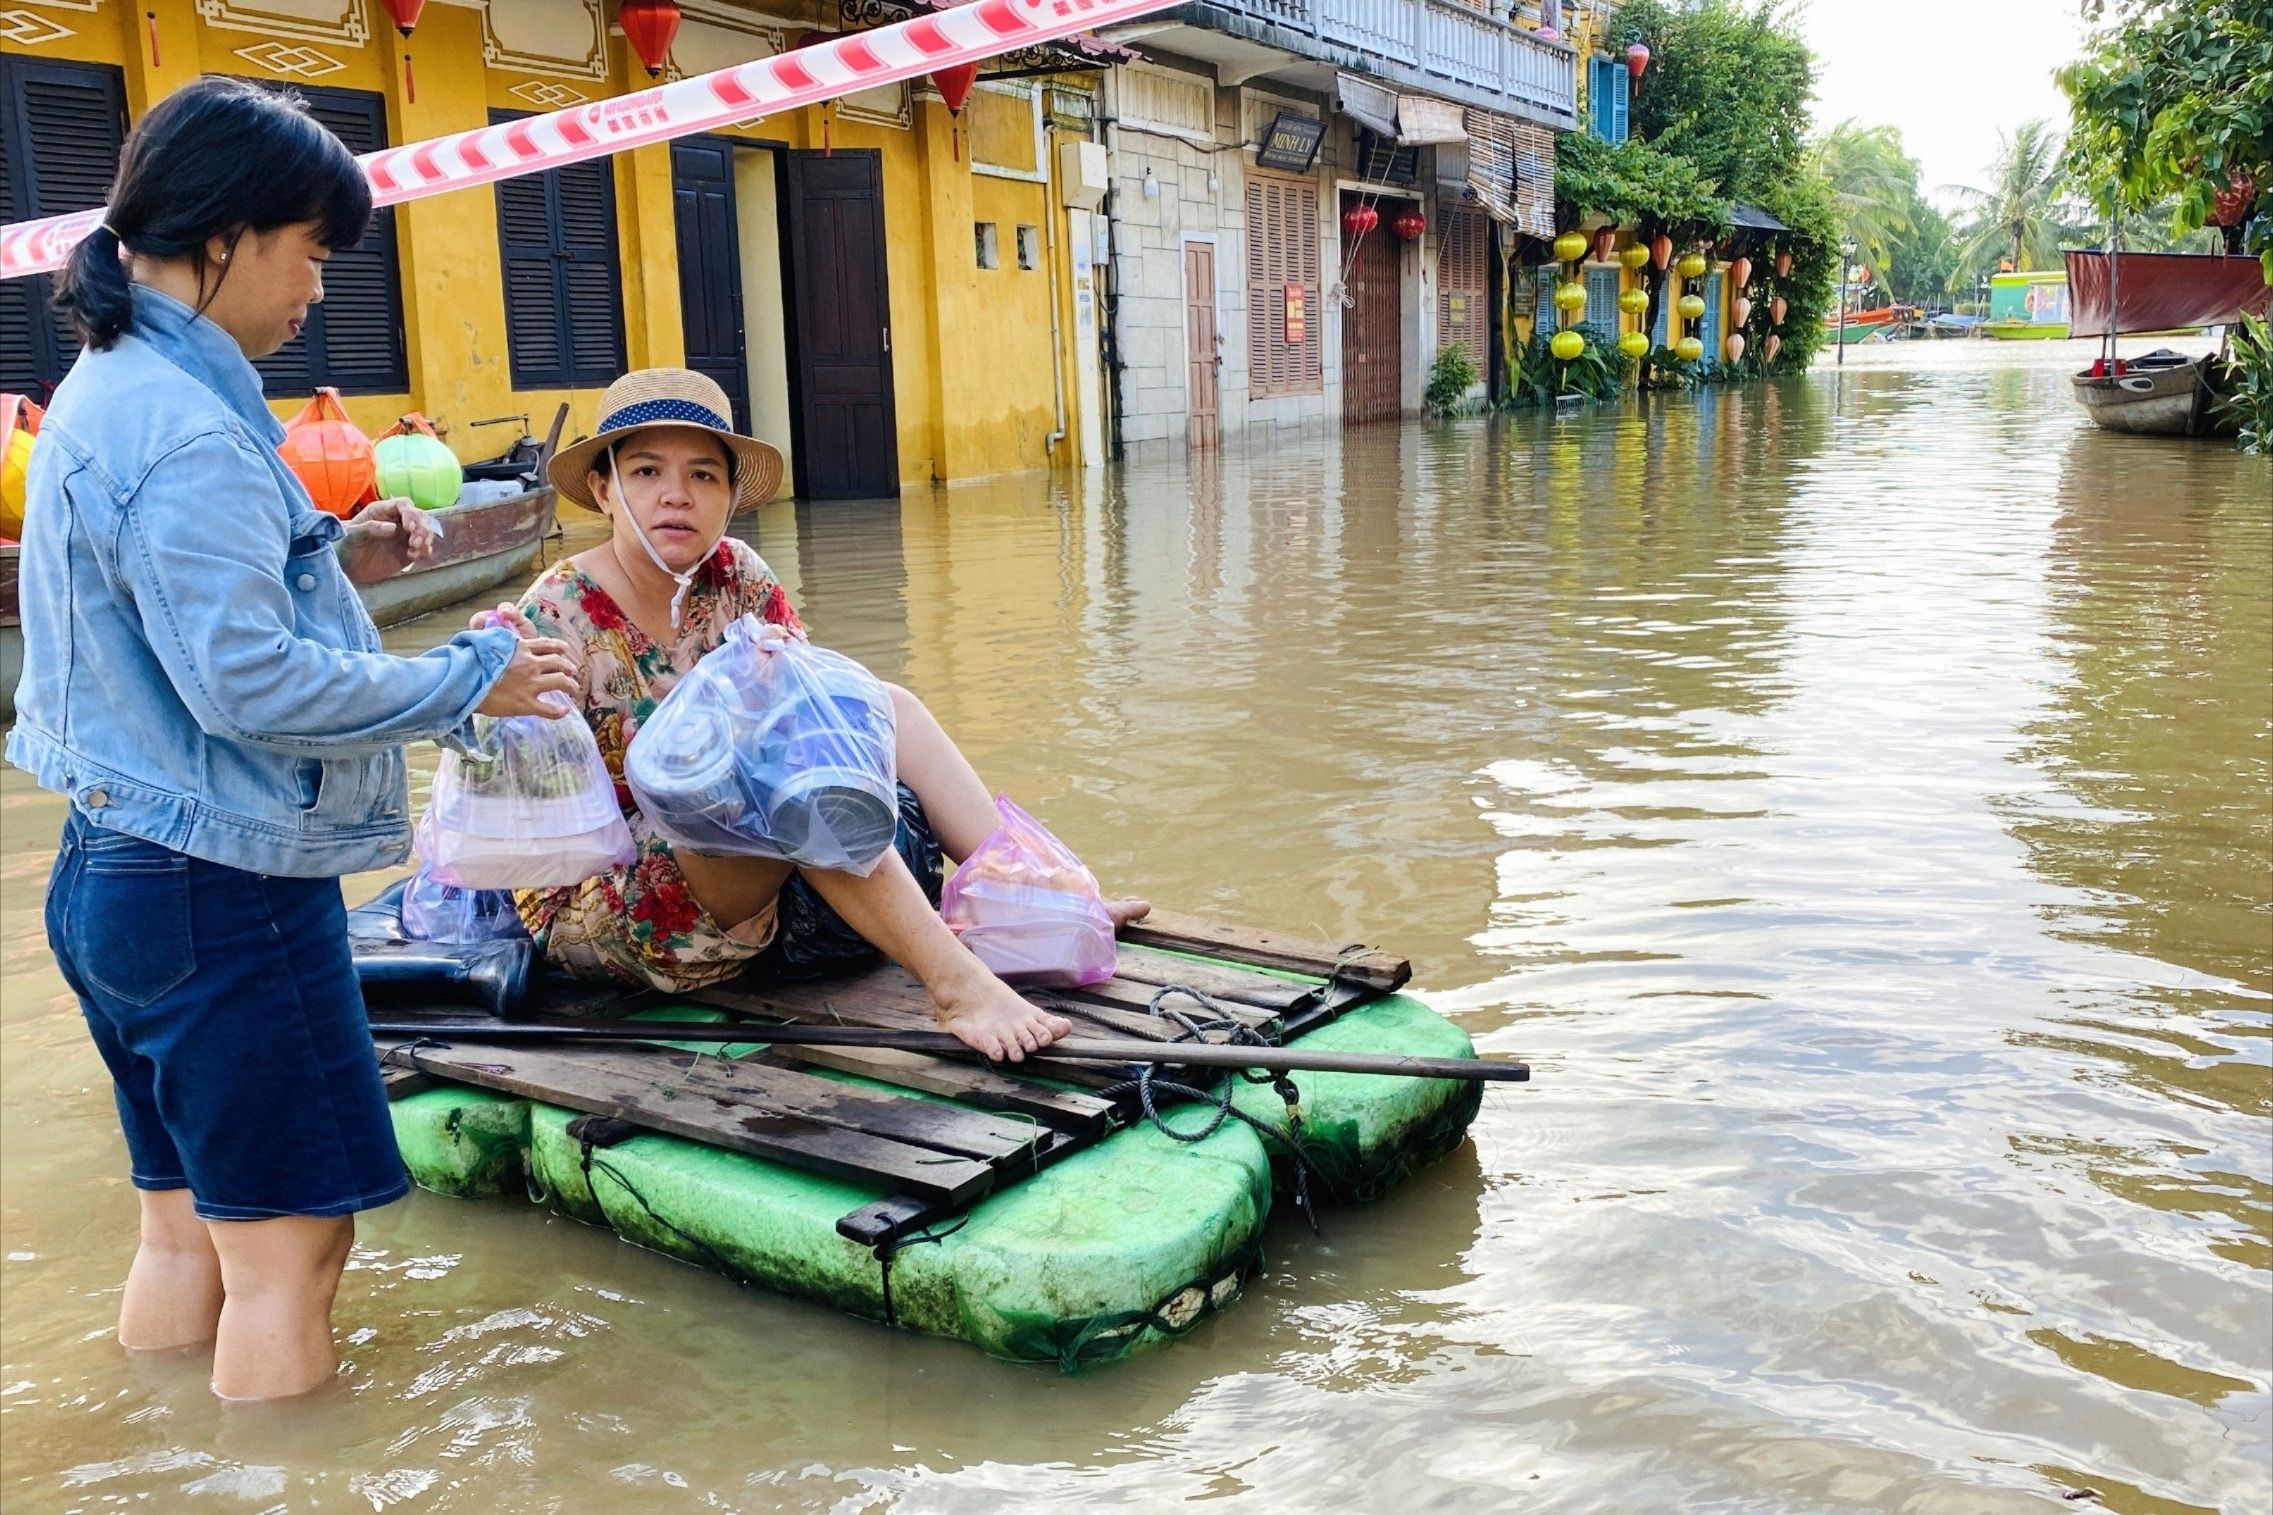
x=224, y=257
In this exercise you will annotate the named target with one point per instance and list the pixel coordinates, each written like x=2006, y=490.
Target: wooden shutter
x=1282, y=249
x=354, y=337
x=556, y=230
x=1607, y=99
x=1461, y=318
x=61, y=128
x=1602, y=303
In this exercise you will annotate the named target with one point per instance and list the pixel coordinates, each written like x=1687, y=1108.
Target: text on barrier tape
x=787, y=81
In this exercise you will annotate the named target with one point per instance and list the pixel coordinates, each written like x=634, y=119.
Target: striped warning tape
x=788, y=81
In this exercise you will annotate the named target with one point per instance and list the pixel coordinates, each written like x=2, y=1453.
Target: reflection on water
x=1850, y=795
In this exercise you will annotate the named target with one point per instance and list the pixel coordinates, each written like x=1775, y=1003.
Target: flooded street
x=1851, y=796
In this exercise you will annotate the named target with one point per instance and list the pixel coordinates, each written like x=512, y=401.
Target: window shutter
x=591, y=291
x=1709, y=328
x=1282, y=249
x=61, y=128
x=556, y=231
x=1602, y=303
x=1461, y=318
x=1621, y=100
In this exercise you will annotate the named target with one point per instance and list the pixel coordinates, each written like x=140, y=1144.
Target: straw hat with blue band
x=667, y=397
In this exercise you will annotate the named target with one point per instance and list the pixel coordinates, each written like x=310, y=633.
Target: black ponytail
x=217, y=158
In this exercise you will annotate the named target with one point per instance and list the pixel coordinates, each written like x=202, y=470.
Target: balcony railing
x=1438, y=39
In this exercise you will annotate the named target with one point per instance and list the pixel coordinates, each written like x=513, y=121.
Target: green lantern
x=1692, y=307
x=1634, y=301
x=1567, y=345
x=1571, y=297
x=1634, y=345
x=1692, y=265
x=1689, y=349
x=416, y=465
x=1570, y=247
x=1634, y=257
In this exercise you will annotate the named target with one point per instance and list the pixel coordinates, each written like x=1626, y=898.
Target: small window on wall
x=1029, y=247
x=989, y=245
x=564, y=326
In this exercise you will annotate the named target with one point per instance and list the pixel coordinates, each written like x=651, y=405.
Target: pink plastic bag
x=1025, y=905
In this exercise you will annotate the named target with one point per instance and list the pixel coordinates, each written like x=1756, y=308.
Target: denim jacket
x=197, y=669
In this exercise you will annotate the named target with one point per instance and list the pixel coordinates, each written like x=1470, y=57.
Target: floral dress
x=641, y=924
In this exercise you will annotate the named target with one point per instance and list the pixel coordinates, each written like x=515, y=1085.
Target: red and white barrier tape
x=788, y=81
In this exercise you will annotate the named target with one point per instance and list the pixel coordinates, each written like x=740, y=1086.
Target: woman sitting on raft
x=638, y=611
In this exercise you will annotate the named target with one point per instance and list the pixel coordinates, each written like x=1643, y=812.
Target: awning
x=1422, y=119
x=1753, y=218
x=1511, y=171
x=2161, y=291
x=1370, y=105
x=1407, y=120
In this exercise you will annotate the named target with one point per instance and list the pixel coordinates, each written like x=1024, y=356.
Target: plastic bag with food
x=771, y=747
x=433, y=911
x=538, y=813
x=1028, y=909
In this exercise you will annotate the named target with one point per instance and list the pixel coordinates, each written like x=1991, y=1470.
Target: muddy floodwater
x=1850, y=795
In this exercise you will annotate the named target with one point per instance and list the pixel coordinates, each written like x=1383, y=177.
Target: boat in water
x=493, y=536
x=2164, y=393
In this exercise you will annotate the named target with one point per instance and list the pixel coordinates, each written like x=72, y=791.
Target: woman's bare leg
x=732, y=889
x=278, y=1279
x=173, y=1291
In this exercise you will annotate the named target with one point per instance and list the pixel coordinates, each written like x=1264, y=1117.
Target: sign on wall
x=1297, y=316
x=1291, y=142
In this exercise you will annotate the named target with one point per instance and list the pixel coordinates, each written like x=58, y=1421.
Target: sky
x=1948, y=73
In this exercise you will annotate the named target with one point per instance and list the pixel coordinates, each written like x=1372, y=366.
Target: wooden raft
x=934, y=1159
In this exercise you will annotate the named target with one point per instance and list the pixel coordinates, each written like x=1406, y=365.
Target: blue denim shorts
x=226, y=1007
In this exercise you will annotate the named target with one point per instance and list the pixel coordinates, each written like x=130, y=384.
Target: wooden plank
x=401, y=1082
x=1355, y=964
x=645, y=1088
x=1127, y=994
x=1060, y=1109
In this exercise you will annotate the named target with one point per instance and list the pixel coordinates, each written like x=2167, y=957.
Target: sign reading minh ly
x=1291, y=143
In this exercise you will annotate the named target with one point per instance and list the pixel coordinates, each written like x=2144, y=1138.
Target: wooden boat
x=484, y=544
x=2163, y=393
x=1033, y=1210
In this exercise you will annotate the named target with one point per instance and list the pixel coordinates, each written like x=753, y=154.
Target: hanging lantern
x=1567, y=345
x=1692, y=307
x=404, y=13
x=2232, y=203
x=1634, y=301
x=1358, y=220
x=1605, y=243
x=1734, y=347
x=1776, y=309
x=332, y=458
x=1692, y=265
x=650, y=24
x=1571, y=297
x=1771, y=347
x=1637, y=59
x=1689, y=349
x=1661, y=251
x=1634, y=257
x=1409, y=225
x=954, y=85
x=1740, y=310
x=1634, y=345
x=1570, y=247
x=1740, y=272
x=1784, y=264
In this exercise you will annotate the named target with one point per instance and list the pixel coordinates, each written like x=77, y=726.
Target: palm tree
x=1872, y=183
x=2022, y=215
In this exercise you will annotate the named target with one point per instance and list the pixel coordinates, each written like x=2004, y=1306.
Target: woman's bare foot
x=1130, y=909
x=990, y=1017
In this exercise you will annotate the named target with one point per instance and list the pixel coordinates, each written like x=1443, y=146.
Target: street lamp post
x=1846, y=261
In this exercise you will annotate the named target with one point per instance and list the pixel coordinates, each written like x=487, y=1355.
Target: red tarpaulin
x=2161, y=291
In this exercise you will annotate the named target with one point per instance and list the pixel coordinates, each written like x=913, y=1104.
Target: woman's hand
x=541, y=680
x=384, y=538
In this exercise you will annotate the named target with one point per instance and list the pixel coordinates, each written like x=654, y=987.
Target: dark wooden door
x=61, y=127
x=710, y=268
x=1372, y=372
x=841, y=326
x=1203, y=348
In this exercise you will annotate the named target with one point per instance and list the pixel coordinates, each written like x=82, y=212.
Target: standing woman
x=203, y=684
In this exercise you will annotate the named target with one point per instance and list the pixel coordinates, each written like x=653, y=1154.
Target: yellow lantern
x=1570, y=247
x=1634, y=257
x=1689, y=349
x=1633, y=344
x=1571, y=297
x=1692, y=265
x=1634, y=301
x=1567, y=345
x=1692, y=307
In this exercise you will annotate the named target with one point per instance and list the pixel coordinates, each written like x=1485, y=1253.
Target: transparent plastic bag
x=433, y=911
x=539, y=814
x=771, y=747
x=1028, y=909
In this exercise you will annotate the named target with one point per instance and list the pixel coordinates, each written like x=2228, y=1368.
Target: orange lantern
x=1605, y=244
x=1741, y=309
x=1784, y=264
x=1740, y=272
x=1771, y=347
x=330, y=456
x=1776, y=309
x=1734, y=347
x=1661, y=251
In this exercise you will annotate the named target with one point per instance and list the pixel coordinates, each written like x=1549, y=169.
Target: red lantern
x=1358, y=220
x=954, y=85
x=650, y=24
x=404, y=13
x=1637, y=59
x=1605, y=244
x=1661, y=251
x=1409, y=225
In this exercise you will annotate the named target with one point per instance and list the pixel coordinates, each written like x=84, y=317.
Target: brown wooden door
x=1372, y=372
x=1203, y=348
x=848, y=444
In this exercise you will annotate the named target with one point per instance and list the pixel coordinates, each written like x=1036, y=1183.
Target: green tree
x=1874, y=190
x=1727, y=88
x=2022, y=215
x=1924, y=256
x=2172, y=103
